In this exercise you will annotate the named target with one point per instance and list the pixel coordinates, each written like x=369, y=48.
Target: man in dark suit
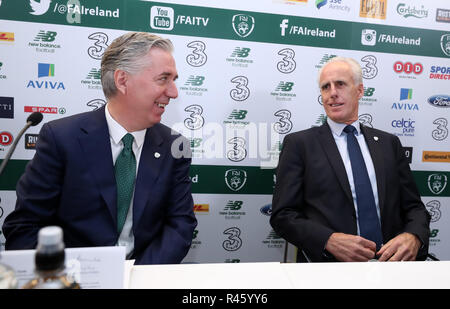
x=323, y=205
x=114, y=176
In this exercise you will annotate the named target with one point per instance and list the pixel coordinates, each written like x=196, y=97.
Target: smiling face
x=340, y=93
x=144, y=95
x=151, y=89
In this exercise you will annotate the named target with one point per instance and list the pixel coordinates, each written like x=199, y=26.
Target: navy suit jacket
x=70, y=182
x=313, y=199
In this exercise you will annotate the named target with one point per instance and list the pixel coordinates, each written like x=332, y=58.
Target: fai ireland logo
x=235, y=179
x=445, y=44
x=437, y=183
x=243, y=24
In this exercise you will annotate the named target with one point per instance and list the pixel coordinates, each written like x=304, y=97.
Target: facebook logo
x=6, y=107
x=283, y=26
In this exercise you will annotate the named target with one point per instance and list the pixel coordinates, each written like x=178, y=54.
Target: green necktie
x=125, y=170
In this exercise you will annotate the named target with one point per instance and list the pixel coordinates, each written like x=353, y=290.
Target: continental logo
x=201, y=208
x=436, y=156
x=6, y=36
x=373, y=9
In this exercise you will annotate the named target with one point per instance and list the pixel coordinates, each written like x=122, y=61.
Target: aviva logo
x=405, y=94
x=46, y=69
x=320, y=3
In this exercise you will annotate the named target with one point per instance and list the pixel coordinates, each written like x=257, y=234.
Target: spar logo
x=44, y=109
x=6, y=138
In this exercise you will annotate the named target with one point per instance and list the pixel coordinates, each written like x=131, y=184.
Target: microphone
x=32, y=120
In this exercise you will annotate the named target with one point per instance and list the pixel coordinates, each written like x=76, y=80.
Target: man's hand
x=350, y=248
x=403, y=247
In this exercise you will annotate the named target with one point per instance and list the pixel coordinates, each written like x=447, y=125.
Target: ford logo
x=439, y=100
x=266, y=210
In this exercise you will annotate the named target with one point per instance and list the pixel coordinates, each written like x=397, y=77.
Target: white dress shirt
x=341, y=141
x=116, y=133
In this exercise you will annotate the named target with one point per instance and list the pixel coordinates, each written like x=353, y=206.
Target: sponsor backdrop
x=248, y=76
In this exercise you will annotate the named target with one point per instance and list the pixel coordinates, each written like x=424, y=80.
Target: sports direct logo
x=438, y=72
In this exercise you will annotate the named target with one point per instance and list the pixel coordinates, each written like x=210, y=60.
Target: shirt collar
x=117, y=132
x=338, y=128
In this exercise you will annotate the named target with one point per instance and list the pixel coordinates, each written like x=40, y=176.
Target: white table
x=370, y=275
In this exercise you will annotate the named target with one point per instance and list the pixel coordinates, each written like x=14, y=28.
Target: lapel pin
x=157, y=155
x=375, y=138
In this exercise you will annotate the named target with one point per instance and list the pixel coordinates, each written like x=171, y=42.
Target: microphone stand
x=13, y=147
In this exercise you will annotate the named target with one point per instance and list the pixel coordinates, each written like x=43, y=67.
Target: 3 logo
x=284, y=124
x=434, y=209
x=369, y=69
x=441, y=132
x=100, y=45
x=238, y=151
x=233, y=242
x=195, y=120
x=198, y=57
x=241, y=91
x=287, y=64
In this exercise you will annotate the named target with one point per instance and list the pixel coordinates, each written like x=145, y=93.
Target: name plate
x=92, y=268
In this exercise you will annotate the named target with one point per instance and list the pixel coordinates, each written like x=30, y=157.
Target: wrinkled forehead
x=335, y=71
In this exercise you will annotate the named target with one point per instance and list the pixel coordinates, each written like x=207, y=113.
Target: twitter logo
x=39, y=7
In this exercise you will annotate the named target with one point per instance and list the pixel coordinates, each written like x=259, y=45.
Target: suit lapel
x=376, y=152
x=334, y=157
x=150, y=163
x=95, y=143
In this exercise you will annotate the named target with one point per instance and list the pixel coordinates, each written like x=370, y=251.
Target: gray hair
x=126, y=53
x=354, y=66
